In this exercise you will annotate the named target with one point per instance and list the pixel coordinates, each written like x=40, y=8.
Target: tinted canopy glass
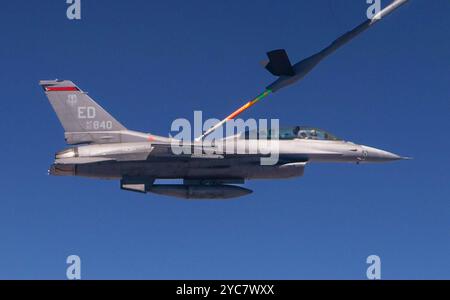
x=291, y=133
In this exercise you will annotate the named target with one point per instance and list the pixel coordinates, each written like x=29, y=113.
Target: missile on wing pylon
x=280, y=65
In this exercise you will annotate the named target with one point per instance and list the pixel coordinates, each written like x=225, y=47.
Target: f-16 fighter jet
x=106, y=149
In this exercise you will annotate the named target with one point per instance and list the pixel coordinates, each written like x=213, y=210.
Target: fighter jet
x=103, y=148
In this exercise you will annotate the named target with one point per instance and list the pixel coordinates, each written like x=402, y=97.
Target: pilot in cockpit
x=299, y=133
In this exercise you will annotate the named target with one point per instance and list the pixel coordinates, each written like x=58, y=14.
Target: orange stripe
x=239, y=111
x=247, y=105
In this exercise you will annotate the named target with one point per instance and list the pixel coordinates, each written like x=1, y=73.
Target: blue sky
x=150, y=62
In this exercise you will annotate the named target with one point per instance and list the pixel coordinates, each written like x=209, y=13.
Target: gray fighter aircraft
x=105, y=149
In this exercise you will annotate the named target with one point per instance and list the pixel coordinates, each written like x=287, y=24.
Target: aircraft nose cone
x=378, y=155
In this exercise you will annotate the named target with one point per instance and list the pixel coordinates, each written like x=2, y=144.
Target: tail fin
x=279, y=63
x=84, y=121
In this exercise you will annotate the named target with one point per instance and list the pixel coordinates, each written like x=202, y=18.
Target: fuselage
x=229, y=158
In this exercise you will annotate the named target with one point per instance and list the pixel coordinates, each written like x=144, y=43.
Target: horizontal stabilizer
x=139, y=185
x=279, y=63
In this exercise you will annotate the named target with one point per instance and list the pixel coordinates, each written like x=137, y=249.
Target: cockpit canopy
x=291, y=133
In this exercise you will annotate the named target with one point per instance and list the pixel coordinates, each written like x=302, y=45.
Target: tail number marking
x=86, y=112
x=99, y=125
